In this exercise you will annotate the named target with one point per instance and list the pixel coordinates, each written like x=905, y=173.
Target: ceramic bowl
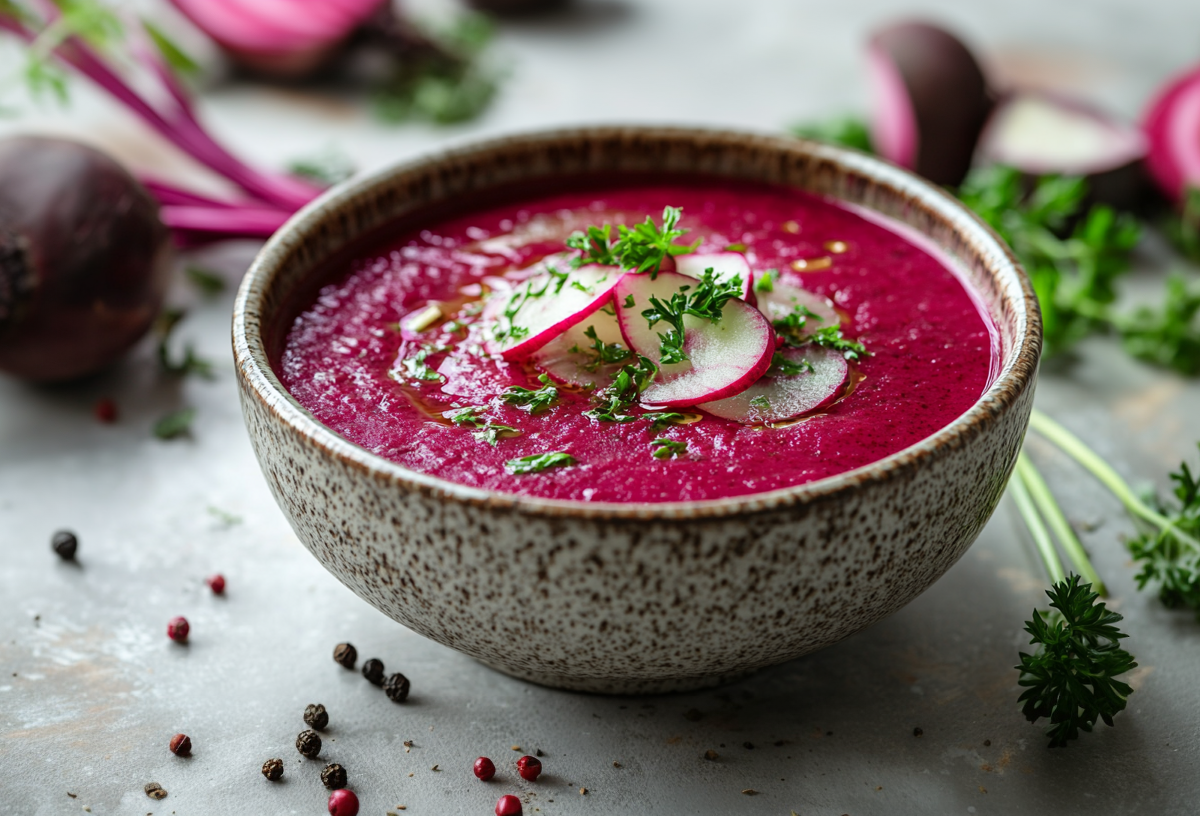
x=629, y=598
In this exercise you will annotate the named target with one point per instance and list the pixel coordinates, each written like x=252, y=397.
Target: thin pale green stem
x=1037, y=528
x=1085, y=456
x=1053, y=514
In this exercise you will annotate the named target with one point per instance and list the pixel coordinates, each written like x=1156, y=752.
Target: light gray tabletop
x=91, y=690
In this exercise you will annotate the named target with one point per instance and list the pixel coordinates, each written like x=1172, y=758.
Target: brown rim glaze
x=354, y=209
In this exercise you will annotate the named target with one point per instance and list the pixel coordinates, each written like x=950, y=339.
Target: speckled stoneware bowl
x=629, y=598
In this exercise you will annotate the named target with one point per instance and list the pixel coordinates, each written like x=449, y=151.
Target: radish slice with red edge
x=570, y=358
x=725, y=266
x=1172, y=125
x=724, y=356
x=775, y=398
x=544, y=306
x=784, y=299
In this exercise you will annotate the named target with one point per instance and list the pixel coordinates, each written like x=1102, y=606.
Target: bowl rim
x=1017, y=373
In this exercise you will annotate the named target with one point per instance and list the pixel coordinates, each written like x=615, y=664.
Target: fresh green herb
x=641, y=249
x=1184, y=228
x=1170, y=555
x=175, y=424
x=705, y=300
x=485, y=430
x=613, y=402
x=783, y=367
x=89, y=20
x=661, y=419
x=668, y=448
x=415, y=367
x=766, y=281
x=629, y=302
x=176, y=58
x=761, y=403
x=226, y=518
x=736, y=248
x=539, y=462
x=848, y=131
x=189, y=364
x=1169, y=337
x=831, y=337
x=601, y=353
x=792, y=326
x=326, y=168
x=210, y=284
x=536, y=401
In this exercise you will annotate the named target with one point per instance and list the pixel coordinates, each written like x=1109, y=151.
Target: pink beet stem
x=248, y=222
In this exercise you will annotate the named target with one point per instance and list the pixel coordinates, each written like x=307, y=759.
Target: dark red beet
x=932, y=100
x=84, y=259
x=1172, y=126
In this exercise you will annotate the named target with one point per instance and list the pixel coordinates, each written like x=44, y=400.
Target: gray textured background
x=91, y=690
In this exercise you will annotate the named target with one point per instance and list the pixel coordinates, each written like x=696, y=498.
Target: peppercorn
x=529, y=768
x=308, y=743
x=508, y=805
x=396, y=687
x=181, y=745
x=105, y=410
x=64, y=543
x=485, y=769
x=316, y=717
x=918, y=731
x=155, y=790
x=333, y=777
x=373, y=671
x=177, y=629
x=272, y=769
x=344, y=654
x=216, y=583
x=343, y=803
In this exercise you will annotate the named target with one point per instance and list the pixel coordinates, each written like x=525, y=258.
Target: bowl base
x=622, y=686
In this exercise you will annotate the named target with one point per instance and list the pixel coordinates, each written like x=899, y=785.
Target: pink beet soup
x=931, y=349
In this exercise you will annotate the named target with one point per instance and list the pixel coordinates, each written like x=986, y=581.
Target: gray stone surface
x=91, y=690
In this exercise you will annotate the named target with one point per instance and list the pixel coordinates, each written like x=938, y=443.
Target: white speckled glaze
x=628, y=598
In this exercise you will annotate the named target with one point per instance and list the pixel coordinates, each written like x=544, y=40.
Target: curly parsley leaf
x=1168, y=337
x=539, y=462
x=766, y=281
x=414, y=367
x=614, y=401
x=661, y=419
x=641, y=248
x=534, y=401
x=1171, y=561
x=600, y=353
x=705, y=300
x=668, y=448
x=783, y=367
x=485, y=430
x=831, y=337
x=1070, y=679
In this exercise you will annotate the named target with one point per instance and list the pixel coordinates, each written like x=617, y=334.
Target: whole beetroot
x=84, y=259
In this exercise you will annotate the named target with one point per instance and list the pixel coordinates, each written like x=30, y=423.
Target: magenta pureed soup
x=716, y=339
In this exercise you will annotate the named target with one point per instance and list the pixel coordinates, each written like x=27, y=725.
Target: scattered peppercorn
x=485, y=769
x=105, y=410
x=987, y=743
x=155, y=790
x=538, y=753
x=749, y=746
x=216, y=583
x=177, y=629
x=272, y=769
x=373, y=670
x=181, y=745
x=529, y=768
x=343, y=802
x=396, y=687
x=508, y=805
x=308, y=743
x=333, y=777
x=711, y=755
x=315, y=716
x=616, y=764
x=344, y=655
x=64, y=543
x=918, y=731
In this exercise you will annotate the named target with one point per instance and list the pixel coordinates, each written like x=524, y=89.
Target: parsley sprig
x=485, y=430
x=599, y=352
x=535, y=401
x=705, y=300
x=1168, y=555
x=783, y=367
x=641, y=248
x=613, y=401
x=538, y=462
x=414, y=367
x=668, y=448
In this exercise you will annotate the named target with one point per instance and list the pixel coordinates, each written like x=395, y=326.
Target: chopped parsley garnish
x=761, y=403
x=831, y=337
x=641, y=249
x=601, y=353
x=175, y=424
x=783, y=367
x=210, y=284
x=536, y=401
x=626, y=387
x=190, y=363
x=705, y=301
x=415, y=367
x=661, y=419
x=668, y=448
x=792, y=325
x=736, y=248
x=766, y=281
x=629, y=302
x=485, y=430
x=539, y=462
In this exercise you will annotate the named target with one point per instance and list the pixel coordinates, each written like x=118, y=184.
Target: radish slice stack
x=785, y=299
x=569, y=358
x=776, y=398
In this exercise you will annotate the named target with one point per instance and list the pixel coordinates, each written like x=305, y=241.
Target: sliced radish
x=724, y=356
x=784, y=299
x=725, y=266
x=569, y=358
x=1172, y=124
x=543, y=307
x=776, y=398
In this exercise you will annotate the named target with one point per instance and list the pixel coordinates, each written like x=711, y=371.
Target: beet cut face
x=932, y=100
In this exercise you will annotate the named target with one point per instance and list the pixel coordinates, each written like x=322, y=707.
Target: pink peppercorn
x=181, y=745
x=508, y=805
x=529, y=768
x=216, y=583
x=343, y=803
x=485, y=769
x=105, y=411
x=177, y=629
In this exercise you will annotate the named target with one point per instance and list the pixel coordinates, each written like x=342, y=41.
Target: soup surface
x=393, y=353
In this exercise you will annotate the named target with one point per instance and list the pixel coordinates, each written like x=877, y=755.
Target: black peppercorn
x=334, y=777
x=396, y=687
x=315, y=716
x=273, y=769
x=309, y=744
x=64, y=543
x=344, y=654
x=373, y=670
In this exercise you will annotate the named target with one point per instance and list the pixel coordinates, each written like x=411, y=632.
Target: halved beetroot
x=724, y=356
x=1041, y=133
x=725, y=266
x=779, y=397
x=1172, y=126
x=528, y=317
x=570, y=358
x=932, y=100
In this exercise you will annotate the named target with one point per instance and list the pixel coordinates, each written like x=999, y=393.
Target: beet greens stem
x=1061, y=528
x=1037, y=528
